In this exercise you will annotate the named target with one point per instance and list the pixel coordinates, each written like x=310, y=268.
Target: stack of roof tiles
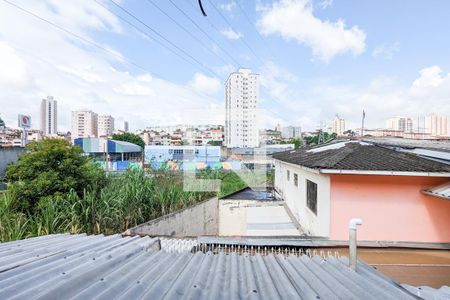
x=86, y=267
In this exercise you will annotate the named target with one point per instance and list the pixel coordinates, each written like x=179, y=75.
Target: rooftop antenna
x=362, y=125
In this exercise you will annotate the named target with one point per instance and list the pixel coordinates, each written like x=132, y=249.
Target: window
x=295, y=179
x=288, y=173
x=311, y=196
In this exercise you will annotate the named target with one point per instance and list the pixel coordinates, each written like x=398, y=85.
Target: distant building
x=181, y=157
x=105, y=126
x=241, y=102
x=291, y=132
x=110, y=154
x=437, y=125
x=338, y=125
x=84, y=124
x=49, y=116
x=402, y=124
x=269, y=137
x=396, y=194
x=125, y=126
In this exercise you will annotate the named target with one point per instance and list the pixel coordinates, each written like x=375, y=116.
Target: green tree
x=215, y=143
x=50, y=168
x=129, y=137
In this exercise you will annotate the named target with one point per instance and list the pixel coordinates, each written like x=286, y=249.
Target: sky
x=154, y=62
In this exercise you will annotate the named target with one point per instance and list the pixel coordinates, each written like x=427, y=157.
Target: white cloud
x=228, y=6
x=294, y=20
x=429, y=77
x=13, y=69
x=310, y=102
x=204, y=84
x=41, y=60
x=231, y=34
x=386, y=51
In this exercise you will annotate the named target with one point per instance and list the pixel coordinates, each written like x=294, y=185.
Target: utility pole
x=362, y=125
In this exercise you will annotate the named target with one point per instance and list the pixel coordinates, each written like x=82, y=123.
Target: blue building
x=112, y=155
x=181, y=157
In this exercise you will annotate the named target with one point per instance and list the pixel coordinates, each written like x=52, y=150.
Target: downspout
x=352, y=242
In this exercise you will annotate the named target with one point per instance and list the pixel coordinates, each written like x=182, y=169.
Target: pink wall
x=392, y=208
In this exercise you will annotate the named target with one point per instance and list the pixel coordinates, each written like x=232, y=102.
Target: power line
x=204, y=32
x=231, y=26
x=145, y=34
x=205, y=68
x=112, y=53
x=106, y=50
x=187, y=31
x=254, y=28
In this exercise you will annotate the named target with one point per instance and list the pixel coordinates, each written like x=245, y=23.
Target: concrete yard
x=247, y=213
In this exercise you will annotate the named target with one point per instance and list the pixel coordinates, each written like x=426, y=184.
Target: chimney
x=352, y=242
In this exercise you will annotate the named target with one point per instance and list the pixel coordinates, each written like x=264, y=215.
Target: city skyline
x=306, y=77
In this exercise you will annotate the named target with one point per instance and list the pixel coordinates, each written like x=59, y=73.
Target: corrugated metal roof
x=426, y=292
x=85, y=267
x=442, y=191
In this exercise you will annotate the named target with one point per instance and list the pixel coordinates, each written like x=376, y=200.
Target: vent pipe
x=352, y=242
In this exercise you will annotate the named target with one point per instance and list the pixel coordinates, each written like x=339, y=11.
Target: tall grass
x=127, y=200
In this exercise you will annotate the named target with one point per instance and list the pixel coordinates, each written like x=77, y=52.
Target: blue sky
x=316, y=59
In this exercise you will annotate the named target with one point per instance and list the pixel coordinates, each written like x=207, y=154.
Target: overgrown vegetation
x=88, y=203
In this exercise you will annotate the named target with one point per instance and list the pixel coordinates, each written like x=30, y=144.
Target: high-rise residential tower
x=437, y=125
x=241, y=103
x=105, y=126
x=338, y=125
x=403, y=124
x=49, y=116
x=84, y=124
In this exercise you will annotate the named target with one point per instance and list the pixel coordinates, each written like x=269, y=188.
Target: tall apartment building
x=291, y=132
x=338, y=125
x=125, y=126
x=437, y=125
x=403, y=124
x=49, y=116
x=241, y=103
x=105, y=126
x=84, y=124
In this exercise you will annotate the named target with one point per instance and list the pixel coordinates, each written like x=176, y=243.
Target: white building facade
x=403, y=124
x=338, y=125
x=291, y=132
x=105, y=126
x=49, y=116
x=437, y=125
x=241, y=104
x=84, y=124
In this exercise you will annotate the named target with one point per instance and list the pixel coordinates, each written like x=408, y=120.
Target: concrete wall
x=8, y=155
x=295, y=197
x=200, y=219
x=391, y=207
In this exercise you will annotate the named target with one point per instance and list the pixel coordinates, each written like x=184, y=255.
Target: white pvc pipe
x=352, y=242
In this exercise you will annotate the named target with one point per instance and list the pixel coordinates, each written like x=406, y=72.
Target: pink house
x=400, y=196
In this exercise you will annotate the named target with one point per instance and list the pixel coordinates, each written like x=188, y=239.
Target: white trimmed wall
x=295, y=197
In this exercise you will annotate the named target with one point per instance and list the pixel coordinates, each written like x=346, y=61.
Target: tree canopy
x=129, y=137
x=51, y=167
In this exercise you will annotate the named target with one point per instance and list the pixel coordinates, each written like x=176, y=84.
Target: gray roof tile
x=354, y=155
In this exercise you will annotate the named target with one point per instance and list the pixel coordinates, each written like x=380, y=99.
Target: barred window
x=311, y=196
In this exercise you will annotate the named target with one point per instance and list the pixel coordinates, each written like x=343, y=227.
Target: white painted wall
x=295, y=197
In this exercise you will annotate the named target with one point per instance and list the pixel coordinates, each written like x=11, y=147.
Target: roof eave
x=391, y=173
